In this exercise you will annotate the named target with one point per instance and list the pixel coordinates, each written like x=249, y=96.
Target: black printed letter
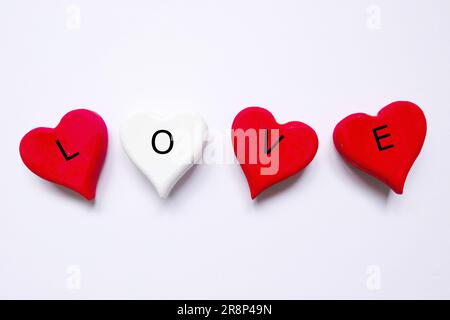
x=266, y=143
x=378, y=138
x=154, y=142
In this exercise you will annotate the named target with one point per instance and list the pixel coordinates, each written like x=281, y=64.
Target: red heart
x=72, y=154
x=384, y=146
x=270, y=152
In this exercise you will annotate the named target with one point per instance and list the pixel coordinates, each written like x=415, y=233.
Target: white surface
x=332, y=233
x=143, y=134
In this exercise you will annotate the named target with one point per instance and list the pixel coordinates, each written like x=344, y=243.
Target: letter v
x=266, y=143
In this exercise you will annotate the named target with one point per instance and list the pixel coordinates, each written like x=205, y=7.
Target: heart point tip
x=89, y=198
x=398, y=191
x=254, y=195
x=163, y=196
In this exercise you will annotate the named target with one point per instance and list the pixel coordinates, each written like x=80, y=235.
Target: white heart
x=164, y=149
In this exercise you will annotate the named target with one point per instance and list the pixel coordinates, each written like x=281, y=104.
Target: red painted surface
x=391, y=158
x=83, y=137
x=295, y=150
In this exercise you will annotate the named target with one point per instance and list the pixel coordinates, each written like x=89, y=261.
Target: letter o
x=154, y=142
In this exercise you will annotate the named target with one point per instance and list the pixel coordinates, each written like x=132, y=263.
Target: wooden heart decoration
x=72, y=154
x=384, y=146
x=164, y=149
x=269, y=152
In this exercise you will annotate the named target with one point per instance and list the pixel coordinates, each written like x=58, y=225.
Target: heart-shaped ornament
x=164, y=149
x=269, y=152
x=72, y=154
x=384, y=146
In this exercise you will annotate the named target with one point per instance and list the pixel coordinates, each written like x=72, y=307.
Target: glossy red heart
x=384, y=146
x=72, y=154
x=269, y=152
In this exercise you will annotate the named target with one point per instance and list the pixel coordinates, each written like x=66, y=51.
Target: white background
x=331, y=233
